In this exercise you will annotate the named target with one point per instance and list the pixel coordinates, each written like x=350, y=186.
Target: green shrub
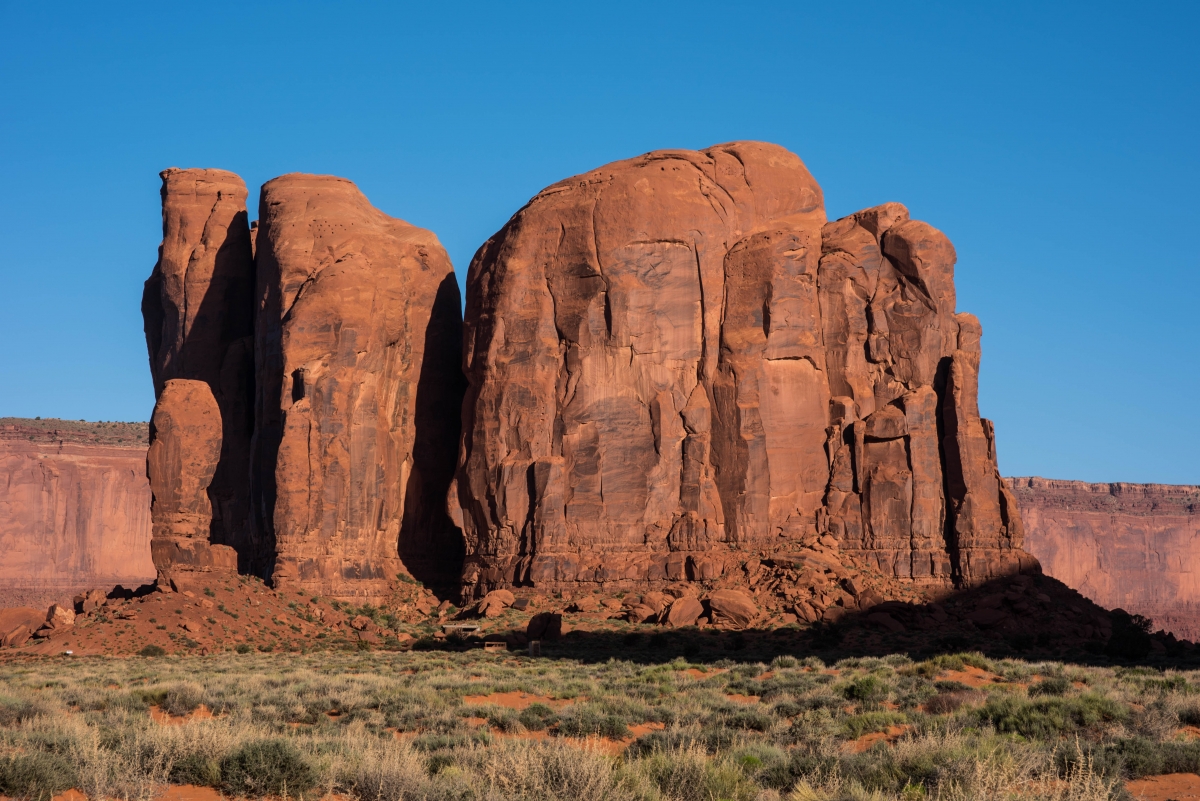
x=1047, y=718
x=867, y=689
x=244, y=648
x=584, y=721
x=1053, y=685
x=946, y=703
x=537, y=717
x=14, y=711
x=153, y=650
x=196, y=769
x=36, y=776
x=504, y=719
x=1135, y=757
x=266, y=767
x=1190, y=715
x=856, y=726
x=183, y=698
x=749, y=719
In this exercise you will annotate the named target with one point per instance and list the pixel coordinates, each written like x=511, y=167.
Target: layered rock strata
x=356, y=347
x=185, y=446
x=74, y=509
x=198, y=313
x=674, y=362
x=1128, y=546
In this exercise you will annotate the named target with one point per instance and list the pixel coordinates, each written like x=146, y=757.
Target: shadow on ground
x=1034, y=618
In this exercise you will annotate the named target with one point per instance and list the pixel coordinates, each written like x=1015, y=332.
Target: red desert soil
x=189, y=792
x=865, y=742
x=70, y=795
x=517, y=700
x=742, y=699
x=970, y=676
x=1171, y=787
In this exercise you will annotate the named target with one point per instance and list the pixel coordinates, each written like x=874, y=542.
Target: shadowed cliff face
x=356, y=346
x=674, y=362
x=198, y=312
x=337, y=435
x=1131, y=546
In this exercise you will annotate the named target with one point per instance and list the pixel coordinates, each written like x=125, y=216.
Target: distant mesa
x=1126, y=546
x=74, y=509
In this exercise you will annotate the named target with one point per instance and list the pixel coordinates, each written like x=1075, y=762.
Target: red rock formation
x=1128, y=546
x=357, y=337
x=185, y=445
x=674, y=361
x=74, y=510
x=197, y=309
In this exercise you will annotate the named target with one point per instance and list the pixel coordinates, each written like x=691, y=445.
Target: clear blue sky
x=1056, y=144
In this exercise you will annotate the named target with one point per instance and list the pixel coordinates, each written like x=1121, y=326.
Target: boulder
x=731, y=608
x=805, y=612
x=16, y=637
x=198, y=315
x=657, y=601
x=683, y=611
x=60, y=617
x=587, y=603
x=185, y=444
x=503, y=597
x=357, y=347
x=544, y=626
x=987, y=617
x=90, y=601
x=884, y=620
x=641, y=613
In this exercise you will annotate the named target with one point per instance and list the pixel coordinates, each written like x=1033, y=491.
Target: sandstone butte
x=680, y=379
x=1127, y=546
x=74, y=509
x=675, y=363
x=319, y=351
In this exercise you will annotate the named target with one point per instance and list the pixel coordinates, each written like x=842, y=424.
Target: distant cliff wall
x=74, y=509
x=1133, y=546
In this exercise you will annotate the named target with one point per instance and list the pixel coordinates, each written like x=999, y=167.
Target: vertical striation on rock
x=197, y=309
x=674, y=359
x=1122, y=545
x=74, y=509
x=357, y=385
x=185, y=446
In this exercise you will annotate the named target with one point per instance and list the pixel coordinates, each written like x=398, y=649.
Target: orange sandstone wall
x=1133, y=546
x=74, y=510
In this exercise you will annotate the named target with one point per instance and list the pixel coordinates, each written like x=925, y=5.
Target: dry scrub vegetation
x=390, y=726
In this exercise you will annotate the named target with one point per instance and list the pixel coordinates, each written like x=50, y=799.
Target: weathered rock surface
x=683, y=611
x=731, y=608
x=357, y=381
x=74, y=510
x=1128, y=546
x=674, y=361
x=185, y=445
x=198, y=314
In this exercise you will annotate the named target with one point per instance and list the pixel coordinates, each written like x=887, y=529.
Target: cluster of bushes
x=312, y=725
